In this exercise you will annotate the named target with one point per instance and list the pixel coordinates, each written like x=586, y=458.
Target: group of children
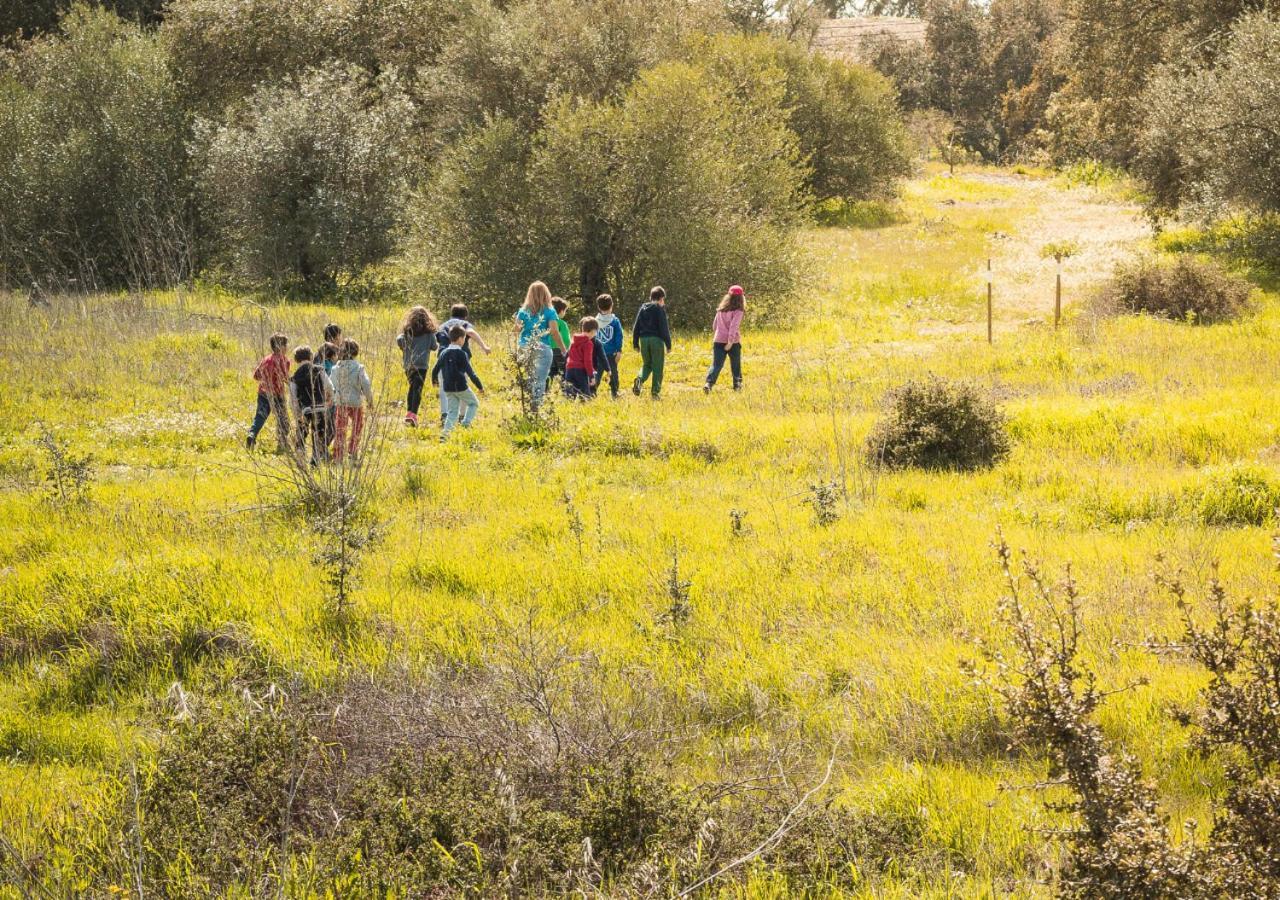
x=583, y=359
x=328, y=394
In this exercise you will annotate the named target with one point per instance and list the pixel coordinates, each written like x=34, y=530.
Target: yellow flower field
x=844, y=640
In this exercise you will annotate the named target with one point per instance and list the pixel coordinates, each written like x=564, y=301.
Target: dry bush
x=1119, y=844
x=534, y=771
x=1184, y=288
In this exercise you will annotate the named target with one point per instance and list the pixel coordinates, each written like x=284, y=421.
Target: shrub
x=1119, y=840
x=1237, y=496
x=1184, y=288
x=306, y=181
x=1120, y=844
x=939, y=424
x=94, y=182
x=479, y=794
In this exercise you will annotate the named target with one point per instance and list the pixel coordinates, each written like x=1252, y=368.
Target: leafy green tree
x=963, y=84
x=223, y=49
x=1113, y=48
x=512, y=62
x=28, y=18
x=473, y=229
x=990, y=67
x=1211, y=133
x=306, y=181
x=686, y=179
x=906, y=64
x=1025, y=68
x=94, y=175
x=848, y=123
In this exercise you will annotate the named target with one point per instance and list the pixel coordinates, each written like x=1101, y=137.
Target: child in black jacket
x=452, y=369
x=652, y=337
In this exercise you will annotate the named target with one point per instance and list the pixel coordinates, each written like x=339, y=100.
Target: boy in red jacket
x=272, y=376
x=580, y=364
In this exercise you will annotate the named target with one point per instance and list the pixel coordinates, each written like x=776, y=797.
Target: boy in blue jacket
x=609, y=337
x=451, y=371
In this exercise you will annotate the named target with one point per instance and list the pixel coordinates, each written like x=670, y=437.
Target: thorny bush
x=536, y=773
x=1120, y=845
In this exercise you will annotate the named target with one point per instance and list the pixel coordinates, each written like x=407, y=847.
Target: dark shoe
x=737, y=386
x=635, y=386
x=706, y=389
x=249, y=442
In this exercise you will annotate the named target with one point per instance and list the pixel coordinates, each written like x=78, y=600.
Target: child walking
x=332, y=335
x=458, y=317
x=451, y=371
x=610, y=338
x=726, y=338
x=651, y=335
x=536, y=325
x=416, y=341
x=327, y=358
x=310, y=393
x=272, y=375
x=580, y=363
x=559, y=354
x=352, y=390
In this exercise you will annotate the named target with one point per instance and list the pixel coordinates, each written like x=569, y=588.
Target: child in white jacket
x=352, y=390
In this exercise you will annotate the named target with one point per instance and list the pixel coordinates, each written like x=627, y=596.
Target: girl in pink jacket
x=727, y=338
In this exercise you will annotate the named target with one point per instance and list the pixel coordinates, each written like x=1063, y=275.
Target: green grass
x=1132, y=438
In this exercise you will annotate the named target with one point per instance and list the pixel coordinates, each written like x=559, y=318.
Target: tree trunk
x=592, y=273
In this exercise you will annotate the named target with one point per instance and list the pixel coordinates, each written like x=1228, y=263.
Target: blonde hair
x=537, y=298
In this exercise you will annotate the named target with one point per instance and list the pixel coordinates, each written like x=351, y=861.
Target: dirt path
x=1105, y=229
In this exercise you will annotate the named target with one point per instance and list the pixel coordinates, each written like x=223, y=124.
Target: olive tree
x=849, y=126
x=222, y=49
x=513, y=60
x=94, y=176
x=1211, y=134
x=31, y=17
x=686, y=179
x=305, y=181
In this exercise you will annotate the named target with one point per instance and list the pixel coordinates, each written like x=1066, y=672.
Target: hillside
x=720, y=585
x=845, y=37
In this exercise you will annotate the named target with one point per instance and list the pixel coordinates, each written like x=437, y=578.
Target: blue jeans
x=577, y=385
x=718, y=354
x=267, y=406
x=460, y=408
x=539, y=370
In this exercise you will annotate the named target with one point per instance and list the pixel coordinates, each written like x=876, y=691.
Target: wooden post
x=990, y=332
x=1057, y=299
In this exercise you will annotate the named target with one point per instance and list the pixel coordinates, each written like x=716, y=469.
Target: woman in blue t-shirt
x=536, y=321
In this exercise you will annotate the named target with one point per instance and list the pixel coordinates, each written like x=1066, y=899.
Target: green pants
x=653, y=355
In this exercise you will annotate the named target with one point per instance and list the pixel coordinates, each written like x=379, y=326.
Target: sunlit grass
x=855, y=630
